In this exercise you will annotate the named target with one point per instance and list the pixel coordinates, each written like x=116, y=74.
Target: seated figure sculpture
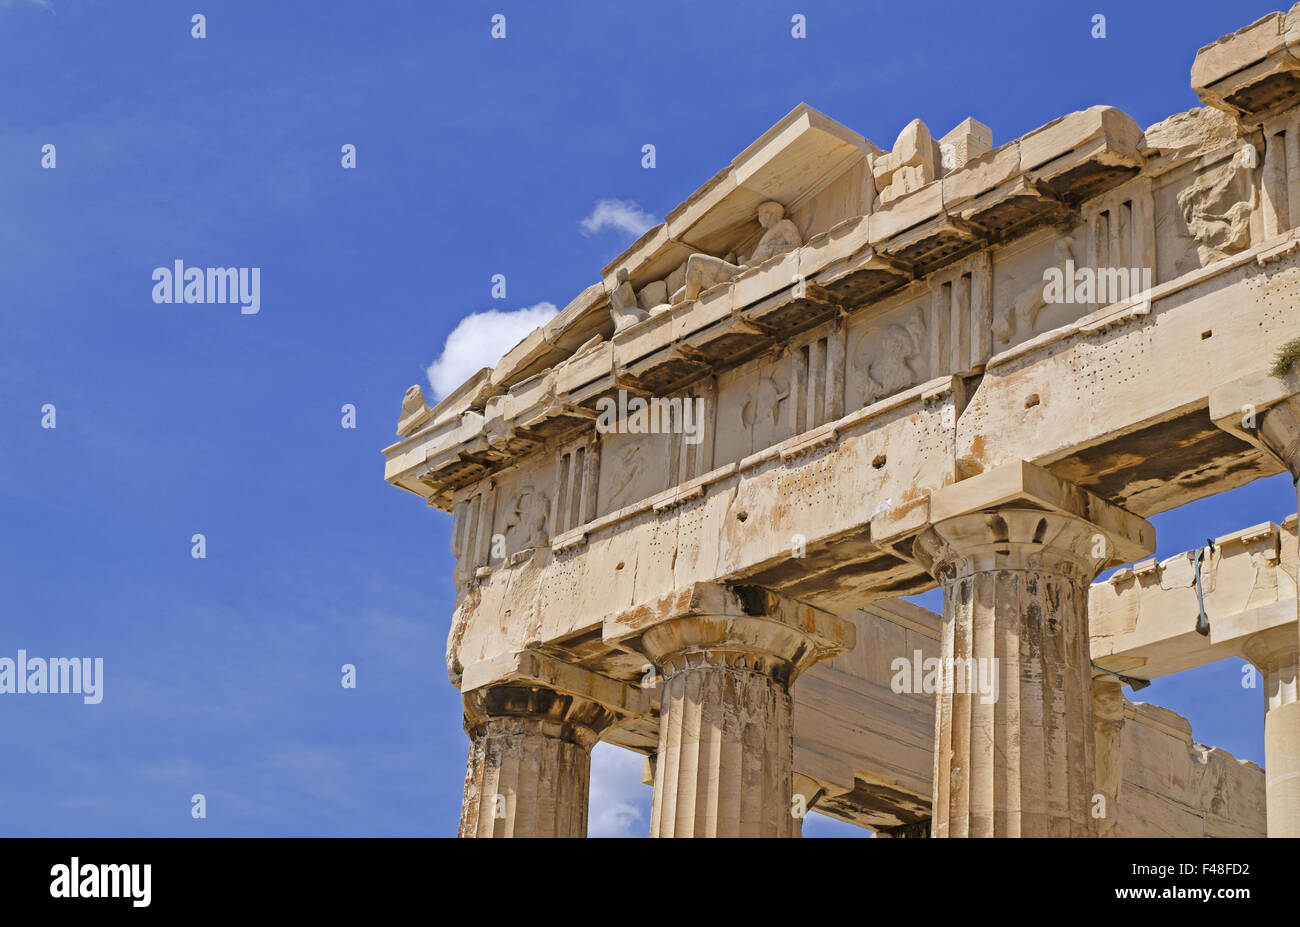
x=705, y=270
x=623, y=306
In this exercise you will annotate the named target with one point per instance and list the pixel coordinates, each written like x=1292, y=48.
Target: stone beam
x=1265, y=409
x=856, y=490
x=1144, y=618
x=797, y=517
x=1168, y=785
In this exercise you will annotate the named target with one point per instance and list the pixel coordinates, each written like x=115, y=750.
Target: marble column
x=1108, y=732
x=727, y=658
x=1275, y=654
x=529, y=765
x=1015, y=549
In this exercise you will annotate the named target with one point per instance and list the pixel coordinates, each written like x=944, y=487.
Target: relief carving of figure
x=623, y=306
x=526, y=523
x=1024, y=308
x=883, y=355
x=780, y=235
x=631, y=464
x=764, y=405
x=1217, y=209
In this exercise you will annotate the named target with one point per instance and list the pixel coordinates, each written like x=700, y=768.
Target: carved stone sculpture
x=415, y=411
x=765, y=405
x=909, y=166
x=781, y=235
x=526, y=524
x=1217, y=208
x=883, y=355
x=653, y=295
x=1022, y=311
x=623, y=306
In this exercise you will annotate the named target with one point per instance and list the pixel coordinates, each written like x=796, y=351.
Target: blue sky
x=474, y=157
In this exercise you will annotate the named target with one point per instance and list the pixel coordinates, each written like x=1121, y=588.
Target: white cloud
x=624, y=215
x=480, y=340
x=619, y=804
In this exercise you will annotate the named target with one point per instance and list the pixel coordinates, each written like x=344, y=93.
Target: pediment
x=790, y=163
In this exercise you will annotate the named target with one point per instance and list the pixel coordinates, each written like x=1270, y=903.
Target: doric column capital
x=1274, y=649
x=1015, y=548
x=570, y=702
x=536, y=669
x=532, y=721
x=1108, y=746
x=1276, y=652
x=738, y=626
x=1012, y=539
x=728, y=655
x=1021, y=517
x=530, y=708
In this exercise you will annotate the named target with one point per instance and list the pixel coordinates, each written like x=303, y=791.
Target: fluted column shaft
x=1014, y=739
x=1275, y=653
x=726, y=750
x=1108, y=732
x=727, y=657
x=1282, y=769
x=1276, y=658
x=529, y=765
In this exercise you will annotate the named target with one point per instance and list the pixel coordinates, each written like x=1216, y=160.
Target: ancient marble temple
x=686, y=508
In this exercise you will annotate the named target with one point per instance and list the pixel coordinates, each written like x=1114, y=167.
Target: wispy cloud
x=619, y=804
x=42, y=4
x=480, y=340
x=624, y=215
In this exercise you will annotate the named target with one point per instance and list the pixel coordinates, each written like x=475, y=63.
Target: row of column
x=1014, y=549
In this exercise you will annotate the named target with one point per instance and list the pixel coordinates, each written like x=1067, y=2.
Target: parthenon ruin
x=841, y=376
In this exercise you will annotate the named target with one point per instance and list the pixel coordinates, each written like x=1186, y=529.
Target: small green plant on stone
x=1286, y=355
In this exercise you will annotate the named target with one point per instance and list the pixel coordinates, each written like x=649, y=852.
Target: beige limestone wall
x=1175, y=787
